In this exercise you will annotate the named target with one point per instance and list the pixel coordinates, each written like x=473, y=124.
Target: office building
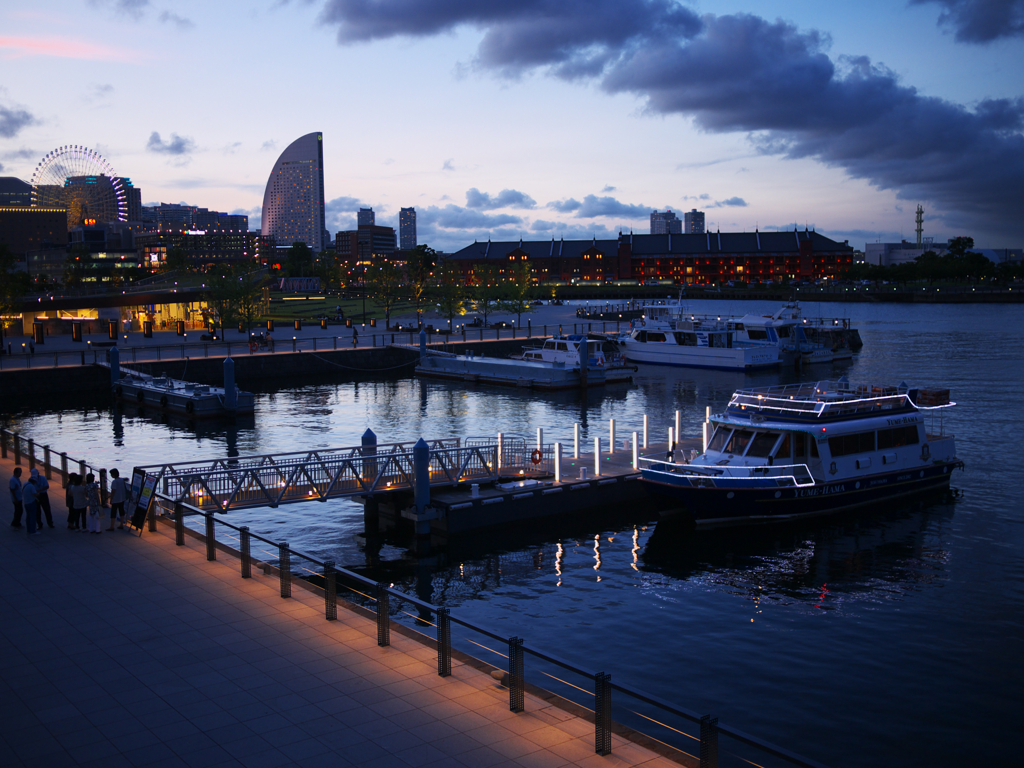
x=366, y=218
x=293, y=203
x=665, y=223
x=693, y=222
x=407, y=228
x=14, y=193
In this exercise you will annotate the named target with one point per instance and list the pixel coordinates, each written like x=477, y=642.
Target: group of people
x=85, y=505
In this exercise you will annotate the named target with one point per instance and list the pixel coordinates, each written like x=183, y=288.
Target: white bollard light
x=540, y=439
x=576, y=440
x=558, y=462
x=645, y=430
x=670, y=452
x=677, y=426
x=501, y=444
x=597, y=457
x=611, y=435
x=636, y=453
x=704, y=434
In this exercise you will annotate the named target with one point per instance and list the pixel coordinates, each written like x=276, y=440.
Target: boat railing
x=797, y=474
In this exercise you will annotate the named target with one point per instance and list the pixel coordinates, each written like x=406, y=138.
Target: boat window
x=783, y=331
x=896, y=437
x=762, y=444
x=655, y=336
x=738, y=443
x=783, y=451
x=757, y=335
x=814, y=448
x=560, y=346
x=800, y=447
x=844, y=445
x=717, y=442
x=686, y=339
x=641, y=336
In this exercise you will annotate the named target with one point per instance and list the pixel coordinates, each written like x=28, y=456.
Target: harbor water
x=890, y=636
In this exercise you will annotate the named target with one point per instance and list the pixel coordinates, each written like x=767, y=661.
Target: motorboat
x=783, y=329
x=183, y=397
x=565, y=351
x=788, y=452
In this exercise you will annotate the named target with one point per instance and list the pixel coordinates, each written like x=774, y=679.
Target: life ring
x=190, y=407
x=118, y=391
x=163, y=401
x=140, y=396
x=536, y=456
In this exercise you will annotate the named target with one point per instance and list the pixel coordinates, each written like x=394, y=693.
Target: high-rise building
x=293, y=204
x=366, y=218
x=665, y=223
x=407, y=228
x=693, y=222
x=14, y=192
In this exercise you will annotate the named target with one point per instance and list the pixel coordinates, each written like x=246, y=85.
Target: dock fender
x=140, y=396
x=163, y=401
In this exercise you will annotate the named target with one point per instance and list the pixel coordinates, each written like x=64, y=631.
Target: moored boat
x=787, y=452
x=184, y=397
x=565, y=351
x=693, y=343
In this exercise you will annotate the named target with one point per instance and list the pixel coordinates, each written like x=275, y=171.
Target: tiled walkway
x=124, y=651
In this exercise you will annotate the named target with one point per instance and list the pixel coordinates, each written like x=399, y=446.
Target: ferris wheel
x=82, y=181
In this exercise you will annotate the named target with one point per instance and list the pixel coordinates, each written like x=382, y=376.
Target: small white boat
x=565, y=351
x=785, y=330
x=185, y=397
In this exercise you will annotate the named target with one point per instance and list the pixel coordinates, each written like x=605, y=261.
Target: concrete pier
x=127, y=651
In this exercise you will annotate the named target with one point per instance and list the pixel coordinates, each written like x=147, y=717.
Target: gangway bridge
x=369, y=469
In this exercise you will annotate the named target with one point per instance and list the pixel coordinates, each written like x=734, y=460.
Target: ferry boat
x=788, y=452
x=565, y=351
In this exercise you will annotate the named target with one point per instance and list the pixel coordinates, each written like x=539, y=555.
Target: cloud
x=447, y=166
x=64, y=48
x=178, y=145
x=608, y=188
x=133, y=8
x=732, y=202
x=593, y=205
x=770, y=80
x=20, y=154
x=457, y=217
x=179, y=21
x=268, y=145
x=507, y=198
x=102, y=90
x=14, y=120
x=980, y=21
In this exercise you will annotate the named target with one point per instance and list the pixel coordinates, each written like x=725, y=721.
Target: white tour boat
x=786, y=452
x=565, y=351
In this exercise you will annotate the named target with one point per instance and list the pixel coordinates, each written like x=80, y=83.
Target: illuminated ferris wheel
x=82, y=181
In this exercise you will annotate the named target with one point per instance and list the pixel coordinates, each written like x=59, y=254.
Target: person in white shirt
x=118, y=496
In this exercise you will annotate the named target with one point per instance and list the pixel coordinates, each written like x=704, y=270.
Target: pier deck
x=127, y=651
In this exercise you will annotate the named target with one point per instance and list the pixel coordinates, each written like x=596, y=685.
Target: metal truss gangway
x=270, y=480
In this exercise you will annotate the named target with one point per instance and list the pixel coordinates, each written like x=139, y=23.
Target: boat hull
x=729, y=504
x=196, y=406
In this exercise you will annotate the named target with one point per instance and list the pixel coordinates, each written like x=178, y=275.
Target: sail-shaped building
x=293, y=203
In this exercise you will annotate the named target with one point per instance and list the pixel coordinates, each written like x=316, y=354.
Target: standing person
x=118, y=496
x=80, y=501
x=15, y=486
x=355, y=336
x=43, y=485
x=29, y=492
x=92, y=497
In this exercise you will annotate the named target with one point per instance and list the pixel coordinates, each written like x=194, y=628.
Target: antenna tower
x=920, y=225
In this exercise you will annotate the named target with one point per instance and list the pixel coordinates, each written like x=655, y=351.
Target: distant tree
x=300, y=260
x=518, y=291
x=177, y=260
x=384, y=281
x=418, y=268
x=248, y=298
x=75, y=266
x=487, y=290
x=328, y=268
x=450, y=291
x=10, y=285
x=221, y=296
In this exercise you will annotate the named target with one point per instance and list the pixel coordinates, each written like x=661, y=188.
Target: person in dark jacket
x=16, y=497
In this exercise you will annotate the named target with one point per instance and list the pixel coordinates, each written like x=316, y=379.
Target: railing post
x=330, y=592
x=46, y=462
x=211, y=537
x=383, y=615
x=516, y=678
x=31, y=454
x=3, y=443
x=708, y=742
x=285, y=566
x=64, y=470
x=602, y=714
x=243, y=543
x=103, y=487
x=179, y=525
x=444, y=642
x=17, y=449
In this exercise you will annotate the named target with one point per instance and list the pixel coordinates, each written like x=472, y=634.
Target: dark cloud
x=732, y=202
x=507, y=198
x=457, y=217
x=577, y=38
x=176, y=145
x=447, y=165
x=593, y=205
x=565, y=206
x=608, y=188
x=340, y=213
x=21, y=154
x=14, y=120
x=980, y=21
x=178, y=21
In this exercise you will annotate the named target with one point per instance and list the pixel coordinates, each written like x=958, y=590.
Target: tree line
x=958, y=264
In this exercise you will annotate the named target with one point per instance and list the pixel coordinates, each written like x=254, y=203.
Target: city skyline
x=843, y=120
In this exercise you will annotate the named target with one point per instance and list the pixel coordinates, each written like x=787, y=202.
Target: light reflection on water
x=846, y=639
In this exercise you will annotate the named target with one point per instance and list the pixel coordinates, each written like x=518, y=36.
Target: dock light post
x=670, y=454
x=576, y=440
x=558, y=462
x=677, y=426
x=636, y=453
x=597, y=456
x=501, y=445
x=645, y=430
x=611, y=436
x=540, y=439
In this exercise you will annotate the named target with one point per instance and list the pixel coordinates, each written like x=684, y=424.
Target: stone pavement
x=125, y=651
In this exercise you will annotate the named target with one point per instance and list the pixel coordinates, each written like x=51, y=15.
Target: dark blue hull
x=738, y=505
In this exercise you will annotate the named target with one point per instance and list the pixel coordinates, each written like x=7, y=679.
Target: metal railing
x=26, y=451
x=611, y=706
x=784, y=474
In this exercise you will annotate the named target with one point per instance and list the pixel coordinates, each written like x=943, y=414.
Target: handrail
x=709, y=728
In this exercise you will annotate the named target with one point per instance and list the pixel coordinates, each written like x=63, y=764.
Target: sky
x=539, y=119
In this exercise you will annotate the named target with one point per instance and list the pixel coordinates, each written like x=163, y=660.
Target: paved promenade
x=117, y=650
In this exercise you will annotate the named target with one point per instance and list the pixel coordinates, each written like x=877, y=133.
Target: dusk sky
x=543, y=118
